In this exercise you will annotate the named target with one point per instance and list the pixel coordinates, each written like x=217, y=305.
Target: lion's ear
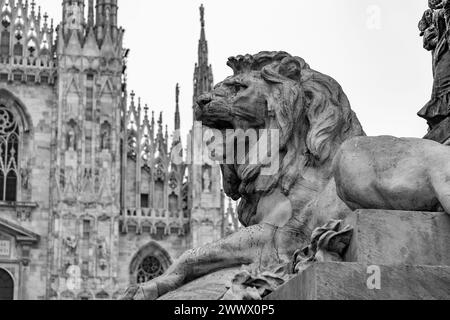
x=291, y=68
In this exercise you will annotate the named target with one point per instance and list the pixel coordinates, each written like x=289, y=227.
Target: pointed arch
x=15, y=127
x=149, y=262
x=6, y=285
x=73, y=83
x=5, y=35
x=16, y=106
x=107, y=88
x=102, y=295
x=86, y=295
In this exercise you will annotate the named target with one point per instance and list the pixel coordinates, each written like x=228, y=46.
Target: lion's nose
x=204, y=100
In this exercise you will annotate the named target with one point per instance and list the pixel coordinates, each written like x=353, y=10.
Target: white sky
x=371, y=47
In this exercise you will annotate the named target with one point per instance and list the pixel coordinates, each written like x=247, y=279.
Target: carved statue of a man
x=25, y=174
x=435, y=27
x=105, y=139
x=71, y=243
x=71, y=137
x=102, y=253
x=206, y=180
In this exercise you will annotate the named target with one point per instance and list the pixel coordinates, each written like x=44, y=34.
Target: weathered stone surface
x=348, y=281
x=212, y=287
x=397, y=237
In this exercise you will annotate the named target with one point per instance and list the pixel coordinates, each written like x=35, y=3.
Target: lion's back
x=386, y=173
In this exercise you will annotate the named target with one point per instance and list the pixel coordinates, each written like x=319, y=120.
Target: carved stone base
x=399, y=238
x=410, y=249
x=393, y=255
x=349, y=281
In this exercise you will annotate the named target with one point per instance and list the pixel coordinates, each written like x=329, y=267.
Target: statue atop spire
x=160, y=123
x=203, y=76
x=73, y=15
x=202, y=15
x=177, y=108
x=91, y=14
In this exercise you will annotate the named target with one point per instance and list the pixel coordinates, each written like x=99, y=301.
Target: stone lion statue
x=328, y=168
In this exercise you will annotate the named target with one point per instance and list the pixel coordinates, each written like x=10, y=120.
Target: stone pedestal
x=399, y=238
x=349, y=281
x=410, y=250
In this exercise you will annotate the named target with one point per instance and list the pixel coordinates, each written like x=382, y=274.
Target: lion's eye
x=238, y=87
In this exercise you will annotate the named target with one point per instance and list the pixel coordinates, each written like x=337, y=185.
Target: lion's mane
x=312, y=114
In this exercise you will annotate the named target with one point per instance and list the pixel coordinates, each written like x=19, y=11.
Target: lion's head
x=274, y=90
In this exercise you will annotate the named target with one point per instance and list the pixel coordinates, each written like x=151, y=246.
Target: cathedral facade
x=91, y=200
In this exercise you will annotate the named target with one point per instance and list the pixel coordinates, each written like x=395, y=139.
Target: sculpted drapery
x=435, y=28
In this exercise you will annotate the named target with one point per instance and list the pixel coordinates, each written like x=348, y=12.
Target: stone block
x=349, y=281
x=399, y=238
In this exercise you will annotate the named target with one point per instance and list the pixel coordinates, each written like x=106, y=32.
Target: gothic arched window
x=18, y=47
x=5, y=36
x=150, y=262
x=149, y=269
x=9, y=155
x=4, y=43
x=159, y=194
x=173, y=205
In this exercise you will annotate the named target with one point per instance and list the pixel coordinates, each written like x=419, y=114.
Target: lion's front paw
x=147, y=291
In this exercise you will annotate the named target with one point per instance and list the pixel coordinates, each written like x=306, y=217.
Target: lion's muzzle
x=213, y=112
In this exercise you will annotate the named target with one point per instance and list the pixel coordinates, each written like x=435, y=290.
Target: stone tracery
x=149, y=269
x=11, y=144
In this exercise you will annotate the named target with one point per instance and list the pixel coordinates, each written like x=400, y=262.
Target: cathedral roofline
x=29, y=43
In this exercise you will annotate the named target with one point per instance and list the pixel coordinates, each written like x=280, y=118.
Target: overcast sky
x=371, y=47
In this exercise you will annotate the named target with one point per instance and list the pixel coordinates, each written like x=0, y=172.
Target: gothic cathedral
x=90, y=199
